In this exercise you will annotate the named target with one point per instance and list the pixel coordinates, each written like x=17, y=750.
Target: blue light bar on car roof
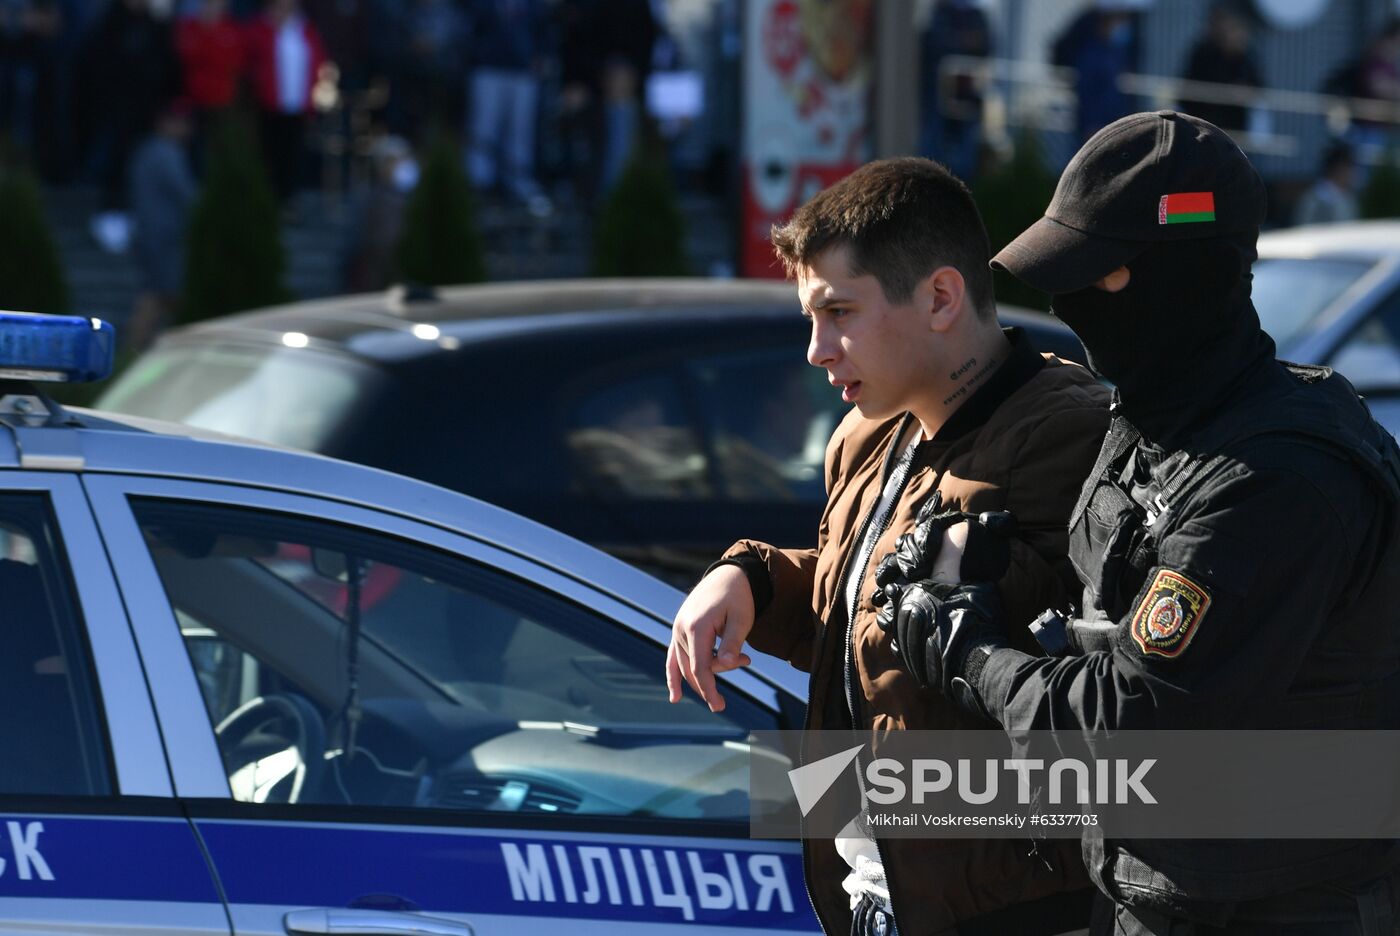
x=55, y=347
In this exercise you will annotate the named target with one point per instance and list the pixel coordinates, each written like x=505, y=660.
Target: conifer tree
x=1381, y=196
x=640, y=231
x=31, y=272
x=1012, y=196
x=235, y=259
x=441, y=244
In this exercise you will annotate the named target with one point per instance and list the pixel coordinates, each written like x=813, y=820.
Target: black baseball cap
x=1145, y=179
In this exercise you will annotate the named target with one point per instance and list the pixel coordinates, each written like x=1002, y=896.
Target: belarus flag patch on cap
x=1186, y=207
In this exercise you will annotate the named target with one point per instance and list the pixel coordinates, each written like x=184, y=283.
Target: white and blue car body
x=253, y=691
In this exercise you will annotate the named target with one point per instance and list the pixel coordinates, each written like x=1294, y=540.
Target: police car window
x=770, y=415
x=51, y=741
x=635, y=439
x=281, y=395
x=340, y=666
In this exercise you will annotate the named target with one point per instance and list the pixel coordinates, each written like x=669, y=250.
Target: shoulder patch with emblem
x=1169, y=614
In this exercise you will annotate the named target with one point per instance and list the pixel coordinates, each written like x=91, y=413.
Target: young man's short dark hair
x=902, y=218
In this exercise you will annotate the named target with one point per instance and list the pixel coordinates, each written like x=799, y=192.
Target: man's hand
x=937, y=624
x=943, y=546
x=915, y=551
x=719, y=608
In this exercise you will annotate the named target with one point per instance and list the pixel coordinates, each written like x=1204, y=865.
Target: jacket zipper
x=885, y=471
x=903, y=467
x=811, y=683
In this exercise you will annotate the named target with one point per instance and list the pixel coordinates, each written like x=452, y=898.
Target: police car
x=250, y=690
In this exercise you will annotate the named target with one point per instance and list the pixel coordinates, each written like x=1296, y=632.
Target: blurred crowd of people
x=83, y=82
x=1221, y=81
x=124, y=95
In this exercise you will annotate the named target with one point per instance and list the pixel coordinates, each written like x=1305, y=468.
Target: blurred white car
x=1330, y=294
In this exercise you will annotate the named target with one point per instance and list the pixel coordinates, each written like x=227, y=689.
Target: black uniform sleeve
x=1245, y=581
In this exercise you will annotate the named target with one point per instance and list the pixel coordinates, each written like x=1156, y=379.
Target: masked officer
x=1238, y=539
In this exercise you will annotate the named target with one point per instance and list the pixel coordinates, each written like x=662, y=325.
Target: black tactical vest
x=1115, y=528
x=1116, y=525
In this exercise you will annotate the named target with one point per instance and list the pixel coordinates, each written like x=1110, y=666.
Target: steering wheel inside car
x=273, y=749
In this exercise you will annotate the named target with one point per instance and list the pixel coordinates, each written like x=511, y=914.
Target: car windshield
x=1291, y=293
x=284, y=396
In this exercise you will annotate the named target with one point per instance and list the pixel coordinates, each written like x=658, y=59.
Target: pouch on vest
x=1111, y=549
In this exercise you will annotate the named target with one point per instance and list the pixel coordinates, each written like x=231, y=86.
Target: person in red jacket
x=211, y=55
x=210, y=46
x=284, y=55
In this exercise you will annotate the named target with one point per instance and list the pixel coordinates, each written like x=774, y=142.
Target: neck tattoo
x=970, y=374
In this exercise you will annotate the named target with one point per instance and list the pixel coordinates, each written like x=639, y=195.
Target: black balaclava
x=1180, y=337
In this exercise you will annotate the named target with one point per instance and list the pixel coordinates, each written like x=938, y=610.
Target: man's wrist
x=973, y=660
x=989, y=673
x=756, y=573
x=981, y=637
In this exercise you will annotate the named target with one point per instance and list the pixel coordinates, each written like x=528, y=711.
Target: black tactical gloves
x=937, y=622
x=985, y=558
x=913, y=557
x=938, y=626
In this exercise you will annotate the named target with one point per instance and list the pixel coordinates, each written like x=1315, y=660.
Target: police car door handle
x=347, y=922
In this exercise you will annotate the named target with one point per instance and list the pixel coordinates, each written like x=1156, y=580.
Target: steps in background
x=519, y=247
